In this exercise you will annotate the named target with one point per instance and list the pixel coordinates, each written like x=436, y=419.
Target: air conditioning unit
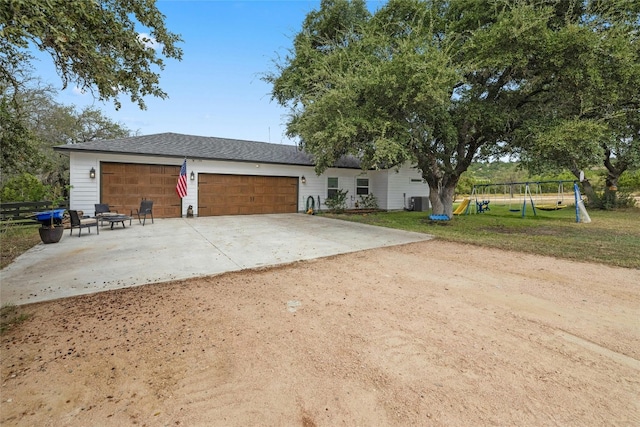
x=420, y=204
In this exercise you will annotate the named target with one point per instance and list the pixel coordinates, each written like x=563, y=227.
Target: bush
x=629, y=181
x=23, y=188
x=338, y=202
x=616, y=199
x=368, y=201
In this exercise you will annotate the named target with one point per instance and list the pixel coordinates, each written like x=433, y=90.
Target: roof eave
x=70, y=148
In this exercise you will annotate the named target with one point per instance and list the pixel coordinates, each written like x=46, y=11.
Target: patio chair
x=146, y=208
x=102, y=210
x=80, y=223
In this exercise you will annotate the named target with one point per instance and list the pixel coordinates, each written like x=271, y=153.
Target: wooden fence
x=21, y=213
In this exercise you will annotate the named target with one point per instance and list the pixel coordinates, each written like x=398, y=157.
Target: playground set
x=483, y=194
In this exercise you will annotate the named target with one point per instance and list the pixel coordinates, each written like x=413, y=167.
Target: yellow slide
x=460, y=209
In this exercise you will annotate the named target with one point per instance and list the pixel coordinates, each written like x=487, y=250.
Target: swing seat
x=515, y=210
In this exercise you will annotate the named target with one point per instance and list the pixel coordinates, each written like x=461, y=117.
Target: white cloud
x=148, y=41
x=78, y=91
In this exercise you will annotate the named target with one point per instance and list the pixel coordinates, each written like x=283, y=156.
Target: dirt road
x=429, y=333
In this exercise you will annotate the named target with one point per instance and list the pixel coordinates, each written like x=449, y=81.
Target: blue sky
x=216, y=89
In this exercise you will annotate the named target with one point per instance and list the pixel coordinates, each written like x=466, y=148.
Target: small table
x=115, y=218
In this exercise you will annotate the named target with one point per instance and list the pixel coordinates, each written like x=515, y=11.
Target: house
x=224, y=177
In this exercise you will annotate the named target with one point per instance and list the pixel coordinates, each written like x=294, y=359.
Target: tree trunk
x=592, y=197
x=443, y=179
x=610, y=196
x=615, y=168
x=587, y=189
x=441, y=199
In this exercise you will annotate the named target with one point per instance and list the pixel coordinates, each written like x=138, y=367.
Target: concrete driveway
x=181, y=248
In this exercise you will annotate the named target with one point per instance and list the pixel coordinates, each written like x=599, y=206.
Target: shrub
x=368, y=201
x=616, y=199
x=23, y=188
x=629, y=181
x=338, y=202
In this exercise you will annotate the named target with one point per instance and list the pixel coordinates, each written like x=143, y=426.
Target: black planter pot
x=51, y=234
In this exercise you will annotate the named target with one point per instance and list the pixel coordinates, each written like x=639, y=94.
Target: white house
x=224, y=177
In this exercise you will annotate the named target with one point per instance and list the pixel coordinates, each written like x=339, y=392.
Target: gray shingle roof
x=205, y=148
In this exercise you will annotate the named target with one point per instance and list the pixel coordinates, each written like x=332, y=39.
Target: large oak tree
x=33, y=122
x=438, y=83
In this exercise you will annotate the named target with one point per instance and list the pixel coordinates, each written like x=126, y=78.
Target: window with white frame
x=332, y=187
x=362, y=186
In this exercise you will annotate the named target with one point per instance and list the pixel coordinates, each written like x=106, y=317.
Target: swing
x=559, y=203
x=512, y=209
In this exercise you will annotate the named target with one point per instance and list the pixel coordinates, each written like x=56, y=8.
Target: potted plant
x=51, y=228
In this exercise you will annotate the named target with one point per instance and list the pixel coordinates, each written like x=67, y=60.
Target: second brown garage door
x=245, y=194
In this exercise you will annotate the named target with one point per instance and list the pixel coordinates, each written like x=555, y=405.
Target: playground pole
x=576, y=194
x=527, y=190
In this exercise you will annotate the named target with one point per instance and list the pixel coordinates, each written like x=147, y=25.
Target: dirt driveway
x=428, y=333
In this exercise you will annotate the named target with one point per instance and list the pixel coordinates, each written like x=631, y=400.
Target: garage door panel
x=113, y=179
x=125, y=185
x=134, y=180
x=246, y=210
x=114, y=169
x=220, y=194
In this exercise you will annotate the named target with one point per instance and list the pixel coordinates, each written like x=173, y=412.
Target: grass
x=612, y=238
x=10, y=316
x=14, y=240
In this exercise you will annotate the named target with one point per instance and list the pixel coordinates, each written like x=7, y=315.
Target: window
x=332, y=187
x=362, y=186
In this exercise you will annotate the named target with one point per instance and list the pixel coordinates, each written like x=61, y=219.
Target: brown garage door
x=124, y=185
x=245, y=194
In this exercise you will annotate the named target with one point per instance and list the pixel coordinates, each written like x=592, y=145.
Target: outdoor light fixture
x=193, y=176
x=92, y=173
x=303, y=179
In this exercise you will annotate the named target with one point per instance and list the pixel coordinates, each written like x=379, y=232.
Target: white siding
x=389, y=186
x=379, y=187
x=319, y=185
x=84, y=192
x=404, y=184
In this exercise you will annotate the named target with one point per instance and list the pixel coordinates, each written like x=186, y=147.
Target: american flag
x=181, y=186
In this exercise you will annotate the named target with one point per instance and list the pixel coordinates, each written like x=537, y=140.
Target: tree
x=33, y=123
x=94, y=44
x=23, y=187
x=17, y=143
x=437, y=83
x=64, y=124
x=594, y=114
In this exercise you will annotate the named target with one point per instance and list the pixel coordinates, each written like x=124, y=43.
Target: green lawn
x=613, y=237
x=14, y=240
